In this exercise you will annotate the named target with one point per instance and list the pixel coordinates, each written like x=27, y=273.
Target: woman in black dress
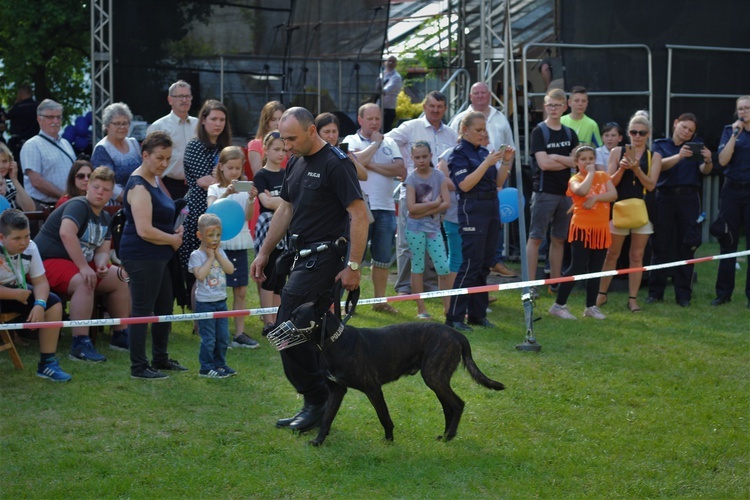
x=201, y=156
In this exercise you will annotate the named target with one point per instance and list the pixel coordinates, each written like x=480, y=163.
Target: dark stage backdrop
x=657, y=23
x=271, y=50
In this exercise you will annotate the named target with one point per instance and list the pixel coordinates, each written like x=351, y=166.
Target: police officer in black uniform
x=734, y=201
x=474, y=172
x=319, y=195
x=677, y=232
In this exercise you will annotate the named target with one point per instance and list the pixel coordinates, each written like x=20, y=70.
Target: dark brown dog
x=366, y=358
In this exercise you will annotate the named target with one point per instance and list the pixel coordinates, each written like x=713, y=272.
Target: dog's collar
x=333, y=338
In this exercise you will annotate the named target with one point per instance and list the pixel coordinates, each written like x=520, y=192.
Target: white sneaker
x=593, y=312
x=561, y=311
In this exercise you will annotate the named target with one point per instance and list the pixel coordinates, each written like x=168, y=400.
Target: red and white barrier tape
x=170, y=318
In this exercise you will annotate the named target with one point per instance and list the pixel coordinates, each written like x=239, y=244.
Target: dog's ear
x=324, y=302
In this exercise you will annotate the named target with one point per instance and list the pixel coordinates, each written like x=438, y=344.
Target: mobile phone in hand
x=630, y=152
x=243, y=186
x=344, y=147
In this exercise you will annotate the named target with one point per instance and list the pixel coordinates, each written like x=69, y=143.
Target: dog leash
x=349, y=307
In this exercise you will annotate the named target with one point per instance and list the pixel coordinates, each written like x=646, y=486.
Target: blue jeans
x=214, y=336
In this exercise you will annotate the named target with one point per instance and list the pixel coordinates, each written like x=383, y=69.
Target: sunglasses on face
x=80, y=176
x=642, y=133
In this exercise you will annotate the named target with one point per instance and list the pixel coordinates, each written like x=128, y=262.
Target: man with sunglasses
x=46, y=158
x=181, y=129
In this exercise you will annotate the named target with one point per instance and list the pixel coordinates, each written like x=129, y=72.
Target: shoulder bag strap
x=57, y=146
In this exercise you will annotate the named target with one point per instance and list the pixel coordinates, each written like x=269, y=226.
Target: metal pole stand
x=528, y=308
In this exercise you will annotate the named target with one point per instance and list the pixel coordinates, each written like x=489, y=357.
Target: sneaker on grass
x=212, y=374
x=593, y=312
x=169, y=365
x=51, y=371
x=149, y=374
x=227, y=371
x=119, y=341
x=561, y=311
x=242, y=340
x=83, y=350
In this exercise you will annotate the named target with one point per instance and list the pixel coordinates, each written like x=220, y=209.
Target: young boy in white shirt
x=210, y=266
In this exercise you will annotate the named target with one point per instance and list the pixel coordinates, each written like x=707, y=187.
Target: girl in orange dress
x=589, y=234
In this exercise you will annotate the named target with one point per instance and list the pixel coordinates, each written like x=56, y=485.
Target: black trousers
x=734, y=209
x=676, y=236
x=479, y=226
x=582, y=261
x=309, y=278
x=151, y=294
x=389, y=116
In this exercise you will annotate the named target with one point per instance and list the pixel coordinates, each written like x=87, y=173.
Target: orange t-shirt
x=590, y=225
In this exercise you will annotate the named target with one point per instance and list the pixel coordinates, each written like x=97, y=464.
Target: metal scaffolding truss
x=495, y=47
x=101, y=62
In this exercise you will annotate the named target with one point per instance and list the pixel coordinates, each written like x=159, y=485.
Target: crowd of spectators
x=428, y=186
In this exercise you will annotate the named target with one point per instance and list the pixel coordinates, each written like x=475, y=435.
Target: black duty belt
x=482, y=195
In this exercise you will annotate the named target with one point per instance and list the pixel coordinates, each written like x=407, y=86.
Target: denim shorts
x=382, y=235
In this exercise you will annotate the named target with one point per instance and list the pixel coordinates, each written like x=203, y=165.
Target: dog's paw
x=315, y=442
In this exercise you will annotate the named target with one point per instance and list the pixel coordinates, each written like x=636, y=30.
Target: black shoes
x=307, y=418
x=459, y=325
x=483, y=322
x=653, y=300
x=168, y=365
x=149, y=374
x=683, y=303
x=720, y=301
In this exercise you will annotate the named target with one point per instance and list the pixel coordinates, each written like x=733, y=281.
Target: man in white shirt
x=47, y=157
x=181, y=128
x=383, y=162
x=431, y=129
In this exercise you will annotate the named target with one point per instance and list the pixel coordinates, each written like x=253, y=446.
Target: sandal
x=605, y=299
x=424, y=316
x=635, y=309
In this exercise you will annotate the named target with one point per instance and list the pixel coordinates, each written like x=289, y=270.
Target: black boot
x=308, y=418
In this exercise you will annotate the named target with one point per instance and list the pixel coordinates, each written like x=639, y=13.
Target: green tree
x=46, y=43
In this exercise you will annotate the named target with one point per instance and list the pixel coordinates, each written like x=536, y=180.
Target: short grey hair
x=113, y=110
x=178, y=84
x=47, y=105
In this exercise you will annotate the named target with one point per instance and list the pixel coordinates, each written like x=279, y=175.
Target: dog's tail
x=474, y=370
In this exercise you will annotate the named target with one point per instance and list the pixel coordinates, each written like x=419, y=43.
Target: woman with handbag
x=634, y=178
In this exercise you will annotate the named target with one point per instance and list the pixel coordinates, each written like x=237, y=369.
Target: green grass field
x=639, y=405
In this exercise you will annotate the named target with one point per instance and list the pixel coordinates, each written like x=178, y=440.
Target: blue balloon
x=82, y=142
x=509, y=204
x=82, y=126
x=232, y=217
x=89, y=117
x=4, y=204
x=69, y=134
